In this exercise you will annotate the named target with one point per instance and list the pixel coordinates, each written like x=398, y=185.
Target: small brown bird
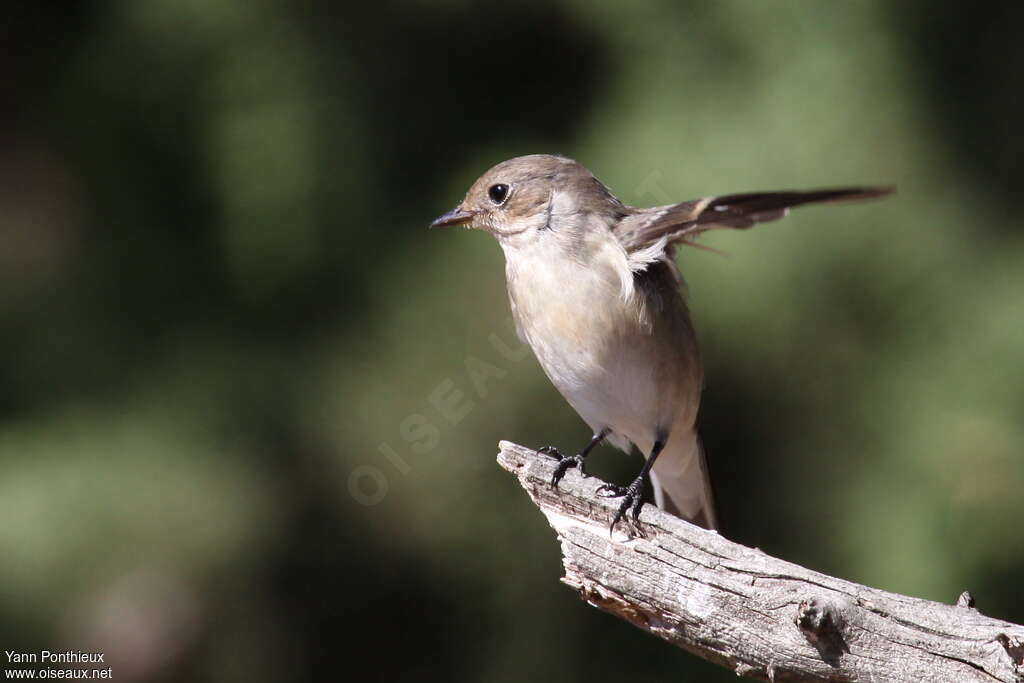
x=596, y=293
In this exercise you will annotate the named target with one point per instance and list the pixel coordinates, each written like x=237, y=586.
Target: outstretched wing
x=664, y=225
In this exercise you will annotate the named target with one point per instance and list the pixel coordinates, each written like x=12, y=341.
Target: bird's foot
x=632, y=496
x=611, y=490
x=552, y=451
x=565, y=463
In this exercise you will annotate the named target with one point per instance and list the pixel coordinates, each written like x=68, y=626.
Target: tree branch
x=759, y=616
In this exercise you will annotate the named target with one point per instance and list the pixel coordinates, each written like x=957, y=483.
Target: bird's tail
x=682, y=485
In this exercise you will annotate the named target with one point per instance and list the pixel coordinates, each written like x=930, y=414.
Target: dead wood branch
x=760, y=616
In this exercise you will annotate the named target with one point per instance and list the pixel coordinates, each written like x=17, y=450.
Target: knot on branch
x=822, y=624
x=965, y=600
x=1014, y=647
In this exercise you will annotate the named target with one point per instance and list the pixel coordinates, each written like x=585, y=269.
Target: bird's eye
x=498, y=193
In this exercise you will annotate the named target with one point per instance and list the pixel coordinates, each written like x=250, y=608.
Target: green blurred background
x=222, y=318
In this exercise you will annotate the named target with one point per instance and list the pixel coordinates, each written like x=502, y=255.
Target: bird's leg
x=633, y=495
x=574, y=461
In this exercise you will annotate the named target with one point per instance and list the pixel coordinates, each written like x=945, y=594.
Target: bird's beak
x=454, y=217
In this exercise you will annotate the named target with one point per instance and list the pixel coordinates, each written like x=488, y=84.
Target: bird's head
x=527, y=195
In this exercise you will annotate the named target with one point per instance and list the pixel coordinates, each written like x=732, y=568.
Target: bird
x=597, y=294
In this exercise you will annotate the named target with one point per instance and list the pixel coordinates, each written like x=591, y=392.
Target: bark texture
x=759, y=616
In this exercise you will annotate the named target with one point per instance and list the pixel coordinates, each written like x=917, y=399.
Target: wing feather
x=645, y=228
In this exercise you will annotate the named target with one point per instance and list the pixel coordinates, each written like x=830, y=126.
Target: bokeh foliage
x=218, y=300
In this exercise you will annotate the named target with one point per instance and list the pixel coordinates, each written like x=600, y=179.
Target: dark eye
x=498, y=193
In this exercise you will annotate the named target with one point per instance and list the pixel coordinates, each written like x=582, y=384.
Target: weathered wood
x=759, y=616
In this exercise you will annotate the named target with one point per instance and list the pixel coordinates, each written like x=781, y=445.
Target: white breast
x=576, y=309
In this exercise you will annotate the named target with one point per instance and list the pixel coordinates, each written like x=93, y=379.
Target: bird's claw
x=613, y=490
x=564, y=465
x=632, y=496
x=552, y=451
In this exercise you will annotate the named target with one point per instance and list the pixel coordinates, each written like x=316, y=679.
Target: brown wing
x=683, y=222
